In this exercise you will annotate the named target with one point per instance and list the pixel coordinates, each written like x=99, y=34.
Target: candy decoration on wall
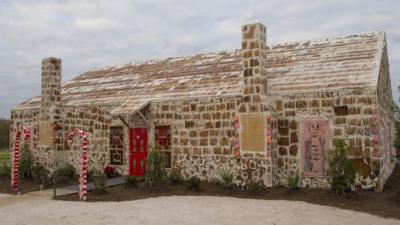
x=83, y=174
x=16, y=155
x=268, y=135
x=236, y=145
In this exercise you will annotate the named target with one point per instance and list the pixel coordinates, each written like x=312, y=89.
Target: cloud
x=95, y=24
x=87, y=34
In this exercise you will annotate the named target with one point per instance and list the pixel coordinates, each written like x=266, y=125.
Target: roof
x=331, y=64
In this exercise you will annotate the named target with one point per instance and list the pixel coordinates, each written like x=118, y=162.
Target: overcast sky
x=88, y=34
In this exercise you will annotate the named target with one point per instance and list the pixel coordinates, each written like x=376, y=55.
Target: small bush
x=5, y=169
x=341, y=171
x=193, y=184
x=65, y=173
x=25, y=162
x=227, y=179
x=156, y=173
x=40, y=173
x=256, y=186
x=175, y=176
x=131, y=181
x=109, y=171
x=293, y=182
x=99, y=182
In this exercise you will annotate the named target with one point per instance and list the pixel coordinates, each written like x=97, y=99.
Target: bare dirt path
x=177, y=210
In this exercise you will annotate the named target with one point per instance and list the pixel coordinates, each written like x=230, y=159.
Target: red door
x=138, y=151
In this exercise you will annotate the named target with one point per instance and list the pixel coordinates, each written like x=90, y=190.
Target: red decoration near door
x=137, y=151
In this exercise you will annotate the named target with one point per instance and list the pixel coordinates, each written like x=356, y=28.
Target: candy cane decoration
x=83, y=175
x=16, y=155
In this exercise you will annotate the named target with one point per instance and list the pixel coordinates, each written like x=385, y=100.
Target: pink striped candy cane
x=16, y=155
x=83, y=174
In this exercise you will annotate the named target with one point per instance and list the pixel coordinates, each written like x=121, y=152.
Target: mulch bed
x=29, y=185
x=386, y=203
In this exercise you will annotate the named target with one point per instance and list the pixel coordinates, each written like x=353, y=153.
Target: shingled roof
x=332, y=64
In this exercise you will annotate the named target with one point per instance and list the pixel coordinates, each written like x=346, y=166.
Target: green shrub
x=40, y=173
x=25, y=162
x=66, y=172
x=175, y=176
x=5, y=156
x=99, y=182
x=256, y=186
x=292, y=182
x=193, y=184
x=227, y=179
x=131, y=181
x=341, y=171
x=5, y=169
x=156, y=173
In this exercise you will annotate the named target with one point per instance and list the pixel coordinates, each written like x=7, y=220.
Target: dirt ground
x=29, y=185
x=178, y=210
x=385, y=204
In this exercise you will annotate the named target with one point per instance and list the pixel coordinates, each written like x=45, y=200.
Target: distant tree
x=4, y=133
x=397, y=124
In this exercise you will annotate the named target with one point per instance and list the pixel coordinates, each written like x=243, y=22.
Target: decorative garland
x=83, y=174
x=16, y=155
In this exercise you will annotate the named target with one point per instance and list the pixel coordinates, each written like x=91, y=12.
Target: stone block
x=293, y=150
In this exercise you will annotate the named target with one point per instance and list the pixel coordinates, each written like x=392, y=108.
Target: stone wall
x=93, y=120
x=205, y=140
x=386, y=154
x=355, y=120
x=205, y=136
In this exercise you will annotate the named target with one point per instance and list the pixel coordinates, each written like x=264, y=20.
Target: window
x=342, y=110
x=163, y=142
x=314, y=146
x=116, y=145
x=252, y=135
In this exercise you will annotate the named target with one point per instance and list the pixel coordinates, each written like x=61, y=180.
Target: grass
x=4, y=156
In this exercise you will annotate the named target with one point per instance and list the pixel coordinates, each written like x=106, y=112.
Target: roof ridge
x=279, y=45
x=171, y=59
x=326, y=40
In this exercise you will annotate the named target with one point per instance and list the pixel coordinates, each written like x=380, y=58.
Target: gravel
x=28, y=209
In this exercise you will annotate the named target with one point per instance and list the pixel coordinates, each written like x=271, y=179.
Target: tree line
x=4, y=133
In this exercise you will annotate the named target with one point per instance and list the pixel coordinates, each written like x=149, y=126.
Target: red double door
x=137, y=151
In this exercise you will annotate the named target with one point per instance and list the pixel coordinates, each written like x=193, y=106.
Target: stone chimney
x=50, y=111
x=51, y=90
x=254, y=72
